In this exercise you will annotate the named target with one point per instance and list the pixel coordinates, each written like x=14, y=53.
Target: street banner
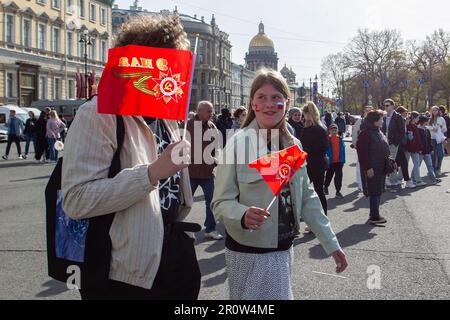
x=146, y=81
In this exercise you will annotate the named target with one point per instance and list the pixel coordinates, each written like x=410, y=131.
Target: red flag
x=278, y=168
x=146, y=81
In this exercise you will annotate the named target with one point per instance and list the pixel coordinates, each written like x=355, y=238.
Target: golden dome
x=261, y=39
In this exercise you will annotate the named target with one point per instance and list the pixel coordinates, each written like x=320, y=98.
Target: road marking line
x=329, y=274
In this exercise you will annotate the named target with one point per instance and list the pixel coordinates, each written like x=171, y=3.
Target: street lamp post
x=86, y=39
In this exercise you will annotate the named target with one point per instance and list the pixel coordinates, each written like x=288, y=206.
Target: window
x=9, y=84
x=81, y=8
x=93, y=49
x=69, y=43
x=42, y=1
x=69, y=6
x=81, y=49
x=103, y=51
x=56, y=88
x=26, y=39
x=42, y=29
x=71, y=89
x=56, y=39
x=103, y=16
x=9, y=36
x=203, y=78
x=56, y=4
x=42, y=87
x=92, y=12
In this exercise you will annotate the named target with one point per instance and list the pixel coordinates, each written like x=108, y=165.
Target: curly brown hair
x=153, y=31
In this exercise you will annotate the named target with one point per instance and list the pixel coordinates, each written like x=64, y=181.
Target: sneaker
x=214, y=235
x=438, y=173
x=25, y=156
x=325, y=190
x=436, y=181
x=5, y=157
x=339, y=195
x=421, y=184
x=410, y=184
x=21, y=157
x=379, y=220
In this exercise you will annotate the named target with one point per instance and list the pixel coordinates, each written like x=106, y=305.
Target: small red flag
x=278, y=168
x=146, y=81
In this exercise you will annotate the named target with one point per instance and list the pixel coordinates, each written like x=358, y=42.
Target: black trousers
x=178, y=276
x=42, y=148
x=402, y=162
x=13, y=138
x=334, y=169
x=317, y=178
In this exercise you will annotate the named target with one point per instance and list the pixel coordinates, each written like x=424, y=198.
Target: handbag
x=389, y=166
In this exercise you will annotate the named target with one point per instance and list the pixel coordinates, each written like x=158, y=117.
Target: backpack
x=83, y=243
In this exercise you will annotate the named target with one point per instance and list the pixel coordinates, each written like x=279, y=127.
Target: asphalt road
x=409, y=258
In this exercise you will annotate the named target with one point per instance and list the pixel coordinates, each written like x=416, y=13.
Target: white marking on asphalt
x=329, y=274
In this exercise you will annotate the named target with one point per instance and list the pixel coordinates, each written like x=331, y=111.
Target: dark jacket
x=373, y=150
x=340, y=122
x=396, y=130
x=224, y=124
x=315, y=142
x=414, y=143
x=30, y=126
x=298, y=128
x=41, y=127
x=201, y=170
x=447, y=122
x=425, y=139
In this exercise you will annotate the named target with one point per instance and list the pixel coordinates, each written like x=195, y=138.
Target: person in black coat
x=295, y=120
x=224, y=123
x=40, y=130
x=373, y=153
x=315, y=142
x=342, y=125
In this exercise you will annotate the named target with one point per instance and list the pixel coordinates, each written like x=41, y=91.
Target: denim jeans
x=394, y=177
x=28, y=138
x=207, y=186
x=53, y=151
x=375, y=207
x=438, y=155
x=416, y=168
x=429, y=164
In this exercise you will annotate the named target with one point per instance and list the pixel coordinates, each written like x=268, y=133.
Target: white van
x=36, y=111
x=20, y=113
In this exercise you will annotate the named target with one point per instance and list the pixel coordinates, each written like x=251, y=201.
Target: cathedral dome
x=261, y=40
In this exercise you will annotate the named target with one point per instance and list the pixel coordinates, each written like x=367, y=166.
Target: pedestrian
x=64, y=132
x=152, y=257
x=341, y=124
x=394, y=129
x=201, y=170
x=427, y=148
x=239, y=116
x=54, y=128
x=29, y=133
x=42, y=153
x=15, y=128
x=315, y=143
x=356, y=129
x=336, y=158
x=328, y=119
x=414, y=147
x=224, y=124
x=403, y=156
x=446, y=117
x=295, y=120
x=373, y=155
x=438, y=130
x=259, y=243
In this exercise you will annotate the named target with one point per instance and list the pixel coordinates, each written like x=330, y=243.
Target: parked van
x=36, y=111
x=20, y=113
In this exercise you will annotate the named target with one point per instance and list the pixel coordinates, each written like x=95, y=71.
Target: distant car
x=3, y=132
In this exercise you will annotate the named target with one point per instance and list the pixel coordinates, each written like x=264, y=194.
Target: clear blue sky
x=306, y=31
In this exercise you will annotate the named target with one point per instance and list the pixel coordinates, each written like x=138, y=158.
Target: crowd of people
x=43, y=132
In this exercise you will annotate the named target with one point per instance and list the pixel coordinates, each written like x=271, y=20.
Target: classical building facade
x=241, y=82
x=289, y=75
x=212, y=75
x=261, y=52
x=40, y=50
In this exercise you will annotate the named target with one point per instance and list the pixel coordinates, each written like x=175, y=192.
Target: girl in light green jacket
x=259, y=242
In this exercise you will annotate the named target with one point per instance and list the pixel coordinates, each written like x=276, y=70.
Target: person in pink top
x=54, y=128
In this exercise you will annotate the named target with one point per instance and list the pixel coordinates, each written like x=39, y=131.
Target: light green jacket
x=238, y=188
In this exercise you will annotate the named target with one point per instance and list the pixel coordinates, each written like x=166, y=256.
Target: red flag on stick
x=146, y=81
x=278, y=168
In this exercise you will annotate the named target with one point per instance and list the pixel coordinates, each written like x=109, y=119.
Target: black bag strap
x=120, y=136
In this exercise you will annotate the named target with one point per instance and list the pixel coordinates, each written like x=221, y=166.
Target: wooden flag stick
x=271, y=204
x=192, y=78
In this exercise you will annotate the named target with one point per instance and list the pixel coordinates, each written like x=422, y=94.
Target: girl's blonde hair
x=54, y=115
x=314, y=114
x=433, y=119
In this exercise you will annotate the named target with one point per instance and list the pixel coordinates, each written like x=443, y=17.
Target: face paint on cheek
x=280, y=105
x=257, y=108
